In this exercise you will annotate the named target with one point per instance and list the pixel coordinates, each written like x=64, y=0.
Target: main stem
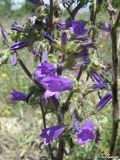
x=115, y=106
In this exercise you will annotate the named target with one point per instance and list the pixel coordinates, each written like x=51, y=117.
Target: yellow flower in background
x=4, y=75
x=101, y=46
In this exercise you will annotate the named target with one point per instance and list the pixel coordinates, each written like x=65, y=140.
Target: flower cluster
x=72, y=44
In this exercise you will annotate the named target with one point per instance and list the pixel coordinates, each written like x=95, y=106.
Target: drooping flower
x=15, y=26
x=45, y=70
x=48, y=37
x=86, y=132
x=98, y=82
x=14, y=60
x=18, y=96
x=4, y=34
x=79, y=27
x=105, y=26
x=104, y=101
x=51, y=133
x=96, y=77
x=56, y=83
x=61, y=25
x=20, y=45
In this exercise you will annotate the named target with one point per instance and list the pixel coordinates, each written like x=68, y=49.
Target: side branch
x=29, y=74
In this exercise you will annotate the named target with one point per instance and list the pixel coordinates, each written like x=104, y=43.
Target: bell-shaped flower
x=15, y=26
x=57, y=83
x=48, y=37
x=18, y=96
x=99, y=84
x=51, y=133
x=79, y=27
x=20, y=45
x=4, y=34
x=45, y=70
x=86, y=132
x=104, y=101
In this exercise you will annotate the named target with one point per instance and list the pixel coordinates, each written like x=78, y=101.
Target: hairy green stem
x=115, y=106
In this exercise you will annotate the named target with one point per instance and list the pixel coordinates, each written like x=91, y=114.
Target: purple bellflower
x=79, y=27
x=19, y=45
x=45, y=70
x=48, y=37
x=104, y=101
x=56, y=83
x=18, y=96
x=15, y=26
x=86, y=132
x=4, y=34
x=61, y=25
x=51, y=133
x=99, y=84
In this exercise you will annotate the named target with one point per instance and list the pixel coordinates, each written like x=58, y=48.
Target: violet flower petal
x=20, y=45
x=104, y=101
x=56, y=83
x=4, y=34
x=17, y=96
x=45, y=70
x=86, y=132
x=51, y=133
